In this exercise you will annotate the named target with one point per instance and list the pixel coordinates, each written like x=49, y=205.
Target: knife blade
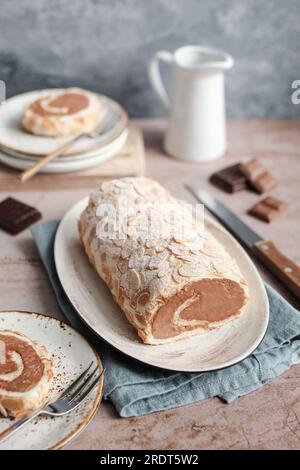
x=286, y=270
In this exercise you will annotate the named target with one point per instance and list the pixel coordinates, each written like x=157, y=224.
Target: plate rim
x=68, y=165
x=122, y=111
x=98, y=399
x=217, y=225
x=63, y=159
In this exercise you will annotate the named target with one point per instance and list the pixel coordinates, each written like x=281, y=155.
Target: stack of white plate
x=21, y=150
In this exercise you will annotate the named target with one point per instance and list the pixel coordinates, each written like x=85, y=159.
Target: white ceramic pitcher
x=197, y=126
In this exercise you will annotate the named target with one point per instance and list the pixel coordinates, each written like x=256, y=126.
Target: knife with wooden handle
x=278, y=264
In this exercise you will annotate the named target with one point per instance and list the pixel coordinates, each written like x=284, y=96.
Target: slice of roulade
x=169, y=285
x=58, y=113
x=26, y=373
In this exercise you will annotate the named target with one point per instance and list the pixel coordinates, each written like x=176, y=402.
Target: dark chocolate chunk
x=268, y=209
x=258, y=177
x=16, y=216
x=230, y=179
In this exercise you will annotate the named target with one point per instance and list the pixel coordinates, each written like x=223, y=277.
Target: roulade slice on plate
x=26, y=374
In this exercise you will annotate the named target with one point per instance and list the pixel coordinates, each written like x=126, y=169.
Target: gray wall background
x=104, y=45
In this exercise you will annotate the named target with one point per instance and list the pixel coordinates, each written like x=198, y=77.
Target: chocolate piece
x=275, y=203
x=16, y=216
x=257, y=176
x=268, y=209
x=252, y=169
x=230, y=179
x=264, y=183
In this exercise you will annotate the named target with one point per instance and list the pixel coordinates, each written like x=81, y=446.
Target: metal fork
x=68, y=401
x=100, y=130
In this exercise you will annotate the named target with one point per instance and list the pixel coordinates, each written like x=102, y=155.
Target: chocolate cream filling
x=73, y=102
x=207, y=301
x=33, y=368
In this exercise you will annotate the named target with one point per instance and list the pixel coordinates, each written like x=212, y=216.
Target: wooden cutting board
x=130, y=161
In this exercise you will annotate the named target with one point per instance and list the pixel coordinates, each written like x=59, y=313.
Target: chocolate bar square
x=15, y=216
x=268, y=209
x=265, y=182
x=258, y=177
x=230, y=179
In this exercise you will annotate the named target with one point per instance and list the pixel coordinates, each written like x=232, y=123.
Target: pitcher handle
x=155, y=76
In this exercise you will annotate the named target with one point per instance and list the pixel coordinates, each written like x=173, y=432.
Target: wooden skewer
x=27, y=174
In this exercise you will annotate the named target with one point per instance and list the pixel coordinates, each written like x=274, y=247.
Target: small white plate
x=13, y=137
x=211, y=350
x=72, y=354
x=117, y=143
x=70, y=163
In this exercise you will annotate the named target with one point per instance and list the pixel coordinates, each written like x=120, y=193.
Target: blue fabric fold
x=137, y=389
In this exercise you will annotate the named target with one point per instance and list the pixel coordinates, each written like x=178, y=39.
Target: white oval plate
x=211, y=350
x=116, y=144
x=13, y=137
x=72, y=354
x=68, y=164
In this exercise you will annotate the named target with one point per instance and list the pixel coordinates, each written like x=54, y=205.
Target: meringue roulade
x=26, y=373
x=168, y=286
x=58, y=113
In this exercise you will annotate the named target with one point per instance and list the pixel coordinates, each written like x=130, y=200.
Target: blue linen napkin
x=137, y=389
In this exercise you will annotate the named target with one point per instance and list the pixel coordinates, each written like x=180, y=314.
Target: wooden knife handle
x=281, y=266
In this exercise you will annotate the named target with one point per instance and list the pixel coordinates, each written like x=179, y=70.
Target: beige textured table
x=266, y=419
